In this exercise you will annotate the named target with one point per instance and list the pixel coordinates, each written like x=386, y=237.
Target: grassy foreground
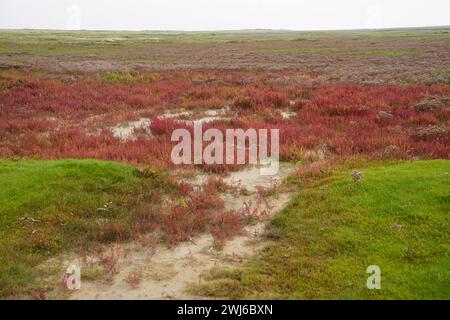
x=396, y=217
x=48, y=206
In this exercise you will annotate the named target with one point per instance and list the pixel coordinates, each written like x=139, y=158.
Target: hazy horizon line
x=230, y=30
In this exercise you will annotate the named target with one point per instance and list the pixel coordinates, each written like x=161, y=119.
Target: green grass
x=67, y=198
x=126, y=45
x=396, y=217
x=127, y=77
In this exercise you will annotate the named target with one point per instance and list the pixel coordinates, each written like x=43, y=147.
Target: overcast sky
x=221, y=14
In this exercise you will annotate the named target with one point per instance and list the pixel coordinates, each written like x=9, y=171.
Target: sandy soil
x=167, y=273
x=127, y=131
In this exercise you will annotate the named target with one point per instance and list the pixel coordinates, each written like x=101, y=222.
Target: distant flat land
x=384, y=56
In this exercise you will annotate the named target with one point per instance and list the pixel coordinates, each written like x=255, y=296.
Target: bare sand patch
x=188, y=116
x=286, y=114
x=127, y=131
x=161, y=272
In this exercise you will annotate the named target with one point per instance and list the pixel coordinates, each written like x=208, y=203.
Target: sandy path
x=166, y=273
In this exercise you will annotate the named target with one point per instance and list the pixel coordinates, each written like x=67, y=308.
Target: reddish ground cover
x=51, y=119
